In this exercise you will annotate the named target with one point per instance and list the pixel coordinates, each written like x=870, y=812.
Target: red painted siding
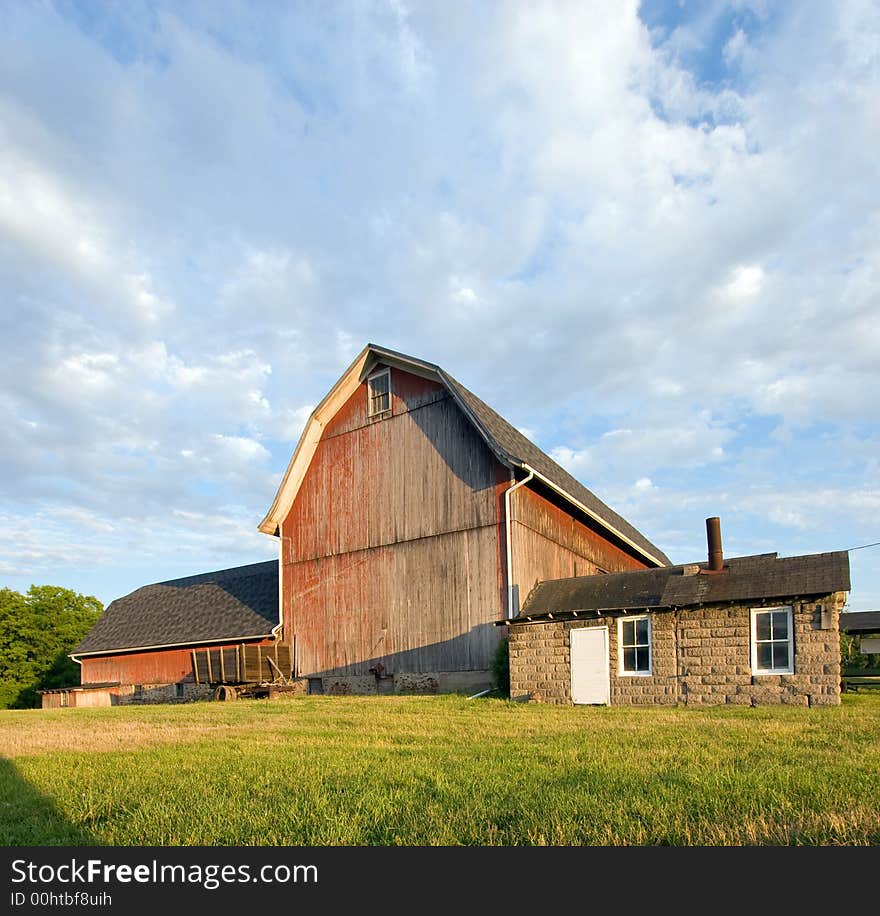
x=421, y=472
x=408, y=392
x=422, y=605
x=549, y=544
x=394, y=550
x=390, y=547
x=155, y=666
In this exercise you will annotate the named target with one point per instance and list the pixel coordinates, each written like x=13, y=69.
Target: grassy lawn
x=439, y=770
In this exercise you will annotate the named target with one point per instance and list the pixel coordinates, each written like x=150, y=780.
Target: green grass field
x=439, y=770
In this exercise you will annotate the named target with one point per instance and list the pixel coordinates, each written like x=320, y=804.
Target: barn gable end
x=400, y=530
x=390, y=548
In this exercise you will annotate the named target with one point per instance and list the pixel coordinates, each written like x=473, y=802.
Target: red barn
x=141, y=648
x=410, y=522
x=411, y=519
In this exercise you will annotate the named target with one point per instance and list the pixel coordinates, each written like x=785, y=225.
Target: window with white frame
x=379, y=393
x=772, y=641
x=634, y=639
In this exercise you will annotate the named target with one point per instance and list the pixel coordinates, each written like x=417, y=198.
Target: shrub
x=501, y=666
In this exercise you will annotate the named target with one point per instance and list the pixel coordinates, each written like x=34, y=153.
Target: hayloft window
x=772, y=641
x=379, y=393
x=634, y=639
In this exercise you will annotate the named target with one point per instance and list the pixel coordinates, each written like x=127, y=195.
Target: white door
x=589, y=665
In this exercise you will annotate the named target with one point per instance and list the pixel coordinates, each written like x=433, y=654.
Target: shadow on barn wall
x=446, y=440
x=434, y=668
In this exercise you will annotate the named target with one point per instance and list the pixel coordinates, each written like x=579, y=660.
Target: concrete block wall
x=715, y=658
x=700, y=656
x=540, y=663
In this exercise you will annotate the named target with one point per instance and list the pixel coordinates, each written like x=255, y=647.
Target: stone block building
x=757, y=630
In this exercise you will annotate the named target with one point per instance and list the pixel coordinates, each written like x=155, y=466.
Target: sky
x=647, y=234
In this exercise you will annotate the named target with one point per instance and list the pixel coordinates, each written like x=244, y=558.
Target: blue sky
x=648, y=235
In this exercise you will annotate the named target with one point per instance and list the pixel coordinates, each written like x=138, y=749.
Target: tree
x=37, y=630
x=852, y=661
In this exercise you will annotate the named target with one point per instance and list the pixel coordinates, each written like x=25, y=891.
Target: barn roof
x=755, y=578
x=513, y=447
x=509, y=445
x=229, y=604
x=860, y=622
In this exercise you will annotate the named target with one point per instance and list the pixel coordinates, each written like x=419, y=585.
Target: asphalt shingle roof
x=512, y=444
x=764, y=576
x=860, y=622
x=238, y=603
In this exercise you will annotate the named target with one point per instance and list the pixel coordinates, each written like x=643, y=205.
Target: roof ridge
x=509, y=445
x=216, y=572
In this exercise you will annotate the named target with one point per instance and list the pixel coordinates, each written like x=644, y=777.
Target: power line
x=875, y=544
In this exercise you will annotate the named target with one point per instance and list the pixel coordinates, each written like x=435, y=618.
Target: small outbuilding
x=144, y=647
x=747, y=630
x=866, y=626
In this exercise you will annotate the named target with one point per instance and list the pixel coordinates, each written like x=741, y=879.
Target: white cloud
x=48, y=221
x=275, y=281
x=234, y=452
x=661, y=256
x=816, y=508
x=667, y=441
x=746, y=282
x=288, y=423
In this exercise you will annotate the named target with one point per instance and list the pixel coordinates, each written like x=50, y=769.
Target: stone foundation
x=700, y=657
x=151, y=694
x=467, y=682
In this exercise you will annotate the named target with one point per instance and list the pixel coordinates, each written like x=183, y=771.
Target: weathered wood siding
x=391, y=546
x=550, y=544
x=415, y=606
x=421, y=472
x=157, y=666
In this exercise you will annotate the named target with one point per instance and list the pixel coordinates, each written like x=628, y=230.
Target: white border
x=620, y=671
x=370, y=378
x=753, y=645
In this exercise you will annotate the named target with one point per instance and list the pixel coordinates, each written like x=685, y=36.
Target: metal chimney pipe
x=713, y=535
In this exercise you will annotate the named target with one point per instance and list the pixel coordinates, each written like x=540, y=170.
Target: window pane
x=380, y=393
x=629, y=632
x=629, y=659
x=642, y=632
x=780, y=655
x=642, y=660
x=765, y=655
x=780, y=624
x=762, y=626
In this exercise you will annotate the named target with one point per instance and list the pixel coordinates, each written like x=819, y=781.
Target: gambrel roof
x=229, y=604
x=509, y=445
